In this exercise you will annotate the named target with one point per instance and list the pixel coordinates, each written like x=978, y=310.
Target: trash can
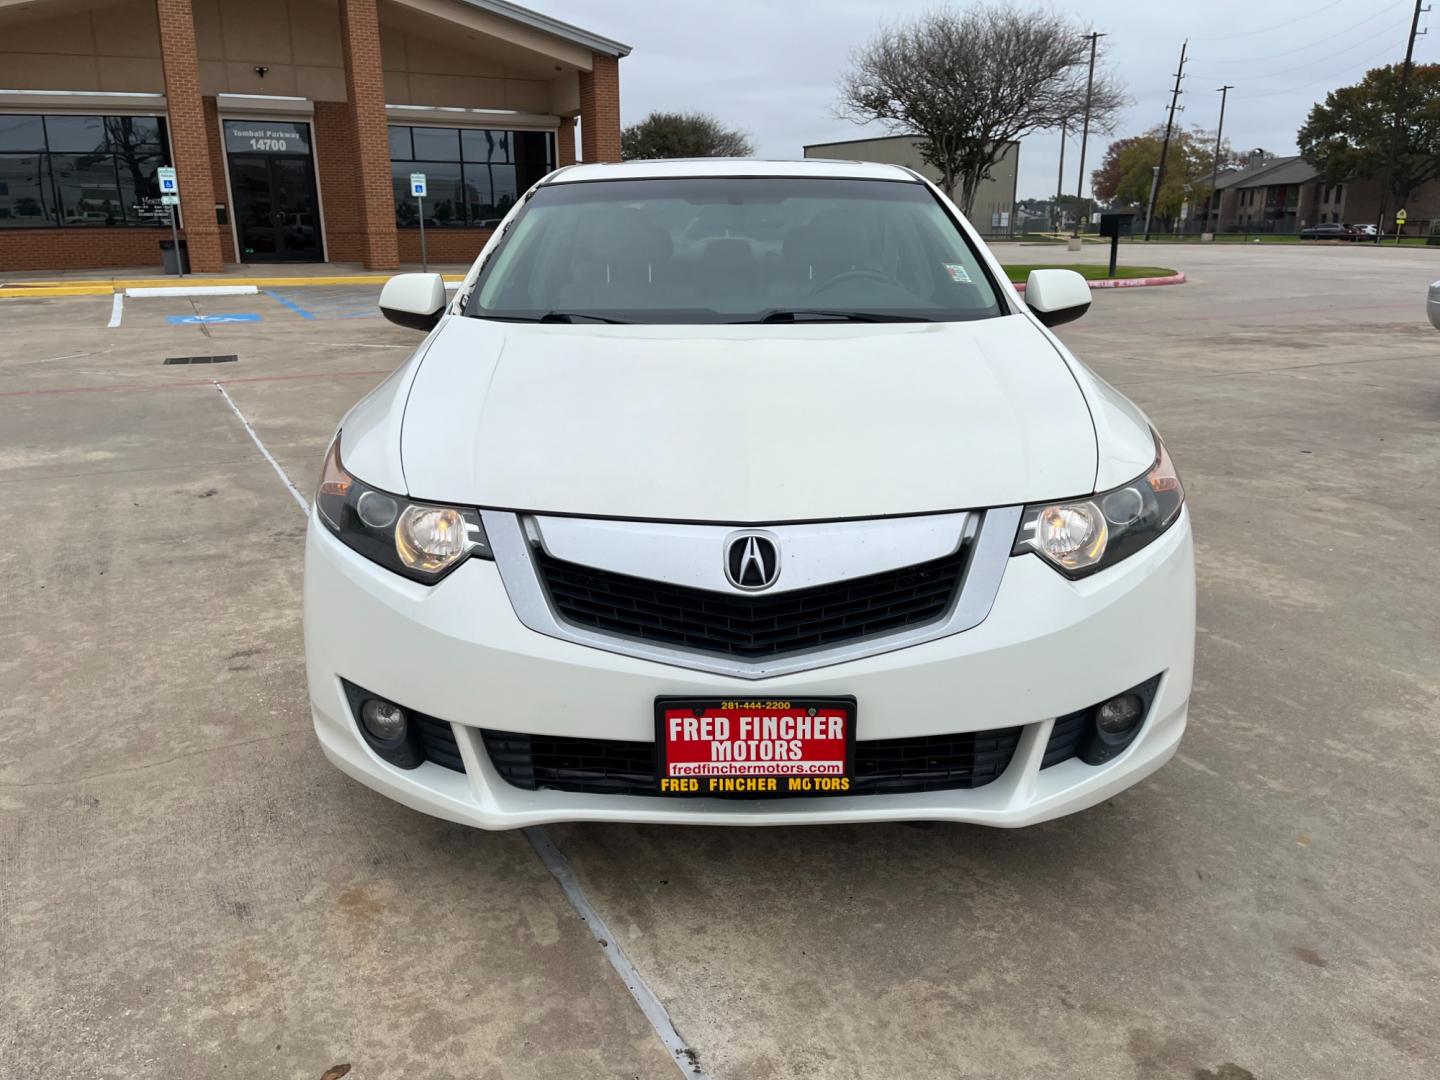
x=167, y=252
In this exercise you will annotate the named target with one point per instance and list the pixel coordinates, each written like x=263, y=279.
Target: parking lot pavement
x=188, y=885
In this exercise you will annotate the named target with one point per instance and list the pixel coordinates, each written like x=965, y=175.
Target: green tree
x=1349, y=135
x=1125, y=171
x=682, y=135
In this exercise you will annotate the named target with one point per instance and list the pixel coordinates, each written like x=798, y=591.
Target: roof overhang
x=456, y=117
x=81, y=101
x=265, y=104
x=536, y=21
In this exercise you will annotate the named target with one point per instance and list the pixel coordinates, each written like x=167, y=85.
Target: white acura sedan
x=810, y=520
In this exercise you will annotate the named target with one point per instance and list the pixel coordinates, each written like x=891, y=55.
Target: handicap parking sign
x=417, y=185
x=166, y=175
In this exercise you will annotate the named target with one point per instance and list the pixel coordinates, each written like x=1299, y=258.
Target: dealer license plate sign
x=763, y=748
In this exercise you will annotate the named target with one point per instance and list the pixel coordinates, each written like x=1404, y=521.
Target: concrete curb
x=192, y=290
x=1123, y=283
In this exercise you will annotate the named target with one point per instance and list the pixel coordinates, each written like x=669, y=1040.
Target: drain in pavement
x=229, y=358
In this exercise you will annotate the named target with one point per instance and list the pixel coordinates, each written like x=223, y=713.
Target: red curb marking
x=188, y=384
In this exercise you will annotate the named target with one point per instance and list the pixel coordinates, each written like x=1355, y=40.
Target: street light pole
x=1085, y=132
x=1213, y=203
x=1059, y=181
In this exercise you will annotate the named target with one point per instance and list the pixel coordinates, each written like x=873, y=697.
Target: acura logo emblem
x=752, y=561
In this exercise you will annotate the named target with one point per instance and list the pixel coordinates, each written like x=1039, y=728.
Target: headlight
x=1080, y=536
x=422, y=541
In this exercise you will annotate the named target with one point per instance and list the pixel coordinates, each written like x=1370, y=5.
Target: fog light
x=1119, y=714
x=385, y=722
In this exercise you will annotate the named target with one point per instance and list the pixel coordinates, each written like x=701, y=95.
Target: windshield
x=728, y=250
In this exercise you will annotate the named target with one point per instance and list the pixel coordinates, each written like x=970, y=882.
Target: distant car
x=1432, y=304
x=1363, y=232
x=1331, y=231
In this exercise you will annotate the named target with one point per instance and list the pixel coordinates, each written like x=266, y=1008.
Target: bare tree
x=967, y=83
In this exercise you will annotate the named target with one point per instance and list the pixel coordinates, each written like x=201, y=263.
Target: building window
x=473, y=175
x=81, y=170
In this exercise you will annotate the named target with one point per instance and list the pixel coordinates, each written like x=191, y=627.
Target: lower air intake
x=882, y=766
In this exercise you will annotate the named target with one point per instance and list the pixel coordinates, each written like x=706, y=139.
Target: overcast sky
x=770, y=66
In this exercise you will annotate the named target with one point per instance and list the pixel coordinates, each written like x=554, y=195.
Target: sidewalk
x=103, y=283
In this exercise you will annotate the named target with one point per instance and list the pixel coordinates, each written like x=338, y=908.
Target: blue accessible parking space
x=210, y=320
x=328, y=302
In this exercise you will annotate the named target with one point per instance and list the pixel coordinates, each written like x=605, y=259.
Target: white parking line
x=554, y=860
x=655, y=1012
x=284, y=477
x=117, y=309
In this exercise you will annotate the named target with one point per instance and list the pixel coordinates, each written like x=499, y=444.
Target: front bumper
x=457, y=651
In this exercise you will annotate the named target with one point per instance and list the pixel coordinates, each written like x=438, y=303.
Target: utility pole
x=1213, y=204
x=1400, y=103
x=1085, y=131
x=1150, y=203
x=1059, y=181
x=1165, y=146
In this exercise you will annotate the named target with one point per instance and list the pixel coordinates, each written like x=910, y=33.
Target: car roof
x=710, y=167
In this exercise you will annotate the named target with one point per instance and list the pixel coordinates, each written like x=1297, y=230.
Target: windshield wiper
x=778, y=315
x=553, y=317
x=574, y=316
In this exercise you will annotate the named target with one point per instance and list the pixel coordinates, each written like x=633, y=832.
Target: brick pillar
x=188, y=139
x=600, y=109
x=217, y=175
x=365, y=95
x=565, y=142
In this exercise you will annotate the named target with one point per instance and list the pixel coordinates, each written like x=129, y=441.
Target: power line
x=1316, y=82
x=1267, y=29
x=1328, y=56
x=1326, y=40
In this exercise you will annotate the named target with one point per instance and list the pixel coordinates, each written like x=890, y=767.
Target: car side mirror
x=415, y=301
x=1057, y=296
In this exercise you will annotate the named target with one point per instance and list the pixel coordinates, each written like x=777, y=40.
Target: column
x=365, y=97
x=189, y=140
x=600, y=109
x=565, y=142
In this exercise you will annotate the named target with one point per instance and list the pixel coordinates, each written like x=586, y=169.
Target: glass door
x=272, y=178
x=254, y=208
x=292, y=185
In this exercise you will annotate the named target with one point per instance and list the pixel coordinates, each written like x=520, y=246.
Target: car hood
x=745, y=423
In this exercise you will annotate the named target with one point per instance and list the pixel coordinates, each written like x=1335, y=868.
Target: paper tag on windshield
x=957, y=273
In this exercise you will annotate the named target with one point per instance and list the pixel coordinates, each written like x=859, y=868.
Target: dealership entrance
x=272, y=181
x=243, y=103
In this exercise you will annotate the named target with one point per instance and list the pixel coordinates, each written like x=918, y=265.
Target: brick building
x=1286, y=194
x=293, y=126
